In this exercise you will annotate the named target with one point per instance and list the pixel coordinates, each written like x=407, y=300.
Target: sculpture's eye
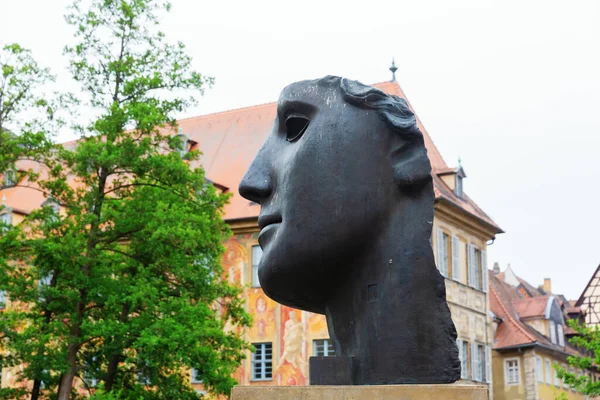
x=295, y=126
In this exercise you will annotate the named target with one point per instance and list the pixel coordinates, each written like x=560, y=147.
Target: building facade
x=589, y=301
x=530, y=339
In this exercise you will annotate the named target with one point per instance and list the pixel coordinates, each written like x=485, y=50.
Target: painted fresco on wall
x=234, y=260
x=263, y=311
x=317, y=326
x=290, y=369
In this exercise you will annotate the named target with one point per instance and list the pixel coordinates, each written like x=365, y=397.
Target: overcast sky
x=512, y=87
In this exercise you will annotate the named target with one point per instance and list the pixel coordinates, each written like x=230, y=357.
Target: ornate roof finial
x=393, y=68
x=459, y=162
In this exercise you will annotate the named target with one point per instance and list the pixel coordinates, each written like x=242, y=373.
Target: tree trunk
x=113, y=363
x=35, y=392
x=111, y=371
x=66, y=382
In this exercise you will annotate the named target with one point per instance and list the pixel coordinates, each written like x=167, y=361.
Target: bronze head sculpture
x=346, y=195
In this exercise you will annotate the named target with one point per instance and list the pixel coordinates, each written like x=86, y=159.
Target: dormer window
x=183, y=145
x=453, y=178
x=10, y=178
x=458, y=186
x=53, y=204
x=6, y=217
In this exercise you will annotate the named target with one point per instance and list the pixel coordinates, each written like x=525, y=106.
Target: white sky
x=512, y=87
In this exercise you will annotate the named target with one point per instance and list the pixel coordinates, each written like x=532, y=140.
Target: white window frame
x=539, y=365
x=6, y=217
x=556, y=378
x=516, y=369
x=256, y=257
x=552, y=329
x=475, y=267
x=183, y=145
x=561, y=335
x=10, y=178
x=327, y=345
x=263, y=362
x=194, y=378
x=548, y=367
x=3, y=298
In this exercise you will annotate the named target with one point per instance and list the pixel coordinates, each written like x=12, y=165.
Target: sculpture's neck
x=391, y=316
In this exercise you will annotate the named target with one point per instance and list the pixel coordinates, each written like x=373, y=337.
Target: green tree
x=26, y=116
x=587, y=340
x=123, y=286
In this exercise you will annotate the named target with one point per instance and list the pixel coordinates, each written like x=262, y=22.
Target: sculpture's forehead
x=312, y=92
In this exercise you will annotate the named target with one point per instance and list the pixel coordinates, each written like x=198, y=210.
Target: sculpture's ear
x=410, y=164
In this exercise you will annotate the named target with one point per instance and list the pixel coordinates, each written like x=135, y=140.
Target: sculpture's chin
x=293, y=287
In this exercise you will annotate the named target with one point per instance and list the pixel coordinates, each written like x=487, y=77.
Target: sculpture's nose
x=256, y=185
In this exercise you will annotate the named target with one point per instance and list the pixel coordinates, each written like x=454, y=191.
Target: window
x=458, y=186
x=455, y=258
x=512, y=375
x=262, y=362
x=539, y=369
x=256, y=257
x=556, y=378
x=476, y=268
x=196, y=378
x=463, y=349
x=182, y=146
x=323, y=348
x=552, y=328
x=142, y=373
x=477, y=362
x=10, y=178
x=443, y=243
x=548, y=372
x=2, y=299
x=6, y=218
x=45, y=280
x=561, y=335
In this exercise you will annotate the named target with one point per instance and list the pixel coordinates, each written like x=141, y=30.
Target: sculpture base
x=455, y=391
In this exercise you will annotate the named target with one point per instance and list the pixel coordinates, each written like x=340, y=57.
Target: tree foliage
x=26, y=116
x=122, y=288
x=588, y=341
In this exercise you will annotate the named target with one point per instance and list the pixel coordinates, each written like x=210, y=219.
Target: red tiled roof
x=531, y=307
x=230, y=140
x=508, y=303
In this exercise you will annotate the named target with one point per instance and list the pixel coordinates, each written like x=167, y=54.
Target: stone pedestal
x=454, y=391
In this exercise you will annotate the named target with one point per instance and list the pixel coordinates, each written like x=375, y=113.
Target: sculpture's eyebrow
x=286, y=106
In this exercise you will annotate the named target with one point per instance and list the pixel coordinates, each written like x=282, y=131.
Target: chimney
x=547, y=285
x=496, y=268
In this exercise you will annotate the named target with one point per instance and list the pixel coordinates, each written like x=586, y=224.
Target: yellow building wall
x=501, y=390
x=540, y=325
x=468, y=306
x=541, y=391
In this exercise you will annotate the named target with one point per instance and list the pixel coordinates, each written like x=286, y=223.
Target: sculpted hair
x=411, y=164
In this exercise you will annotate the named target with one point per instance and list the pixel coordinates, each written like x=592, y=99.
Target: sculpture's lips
x=265, y=220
